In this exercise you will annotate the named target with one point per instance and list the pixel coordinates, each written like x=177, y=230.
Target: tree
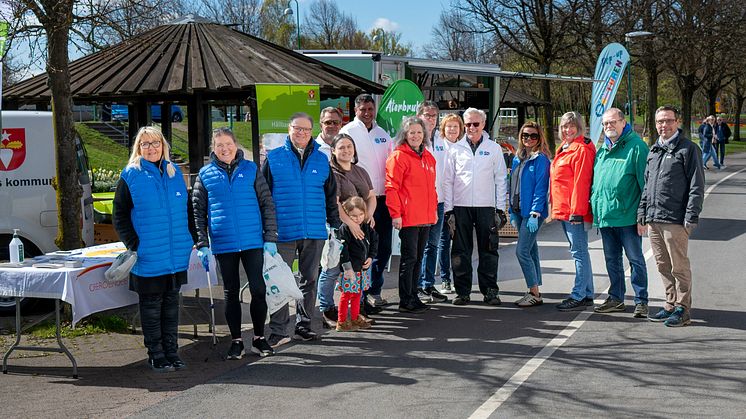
x=453, y=39
x=274, y=26
x=388, y=42
x=326, y=27
x=245, y=14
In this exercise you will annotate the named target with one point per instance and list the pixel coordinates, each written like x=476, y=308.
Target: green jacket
x=618, y=180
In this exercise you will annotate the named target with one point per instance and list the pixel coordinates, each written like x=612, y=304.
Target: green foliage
x=103, y=152
x=91, y=326
x=104, y=180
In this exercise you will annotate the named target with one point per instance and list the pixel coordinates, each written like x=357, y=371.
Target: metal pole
x=629, y=85
x=297, y=20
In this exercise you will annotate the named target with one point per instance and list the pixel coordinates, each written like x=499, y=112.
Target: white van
x=28, y=200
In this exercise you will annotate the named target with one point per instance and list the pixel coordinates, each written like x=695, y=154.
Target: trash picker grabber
x=212, y=307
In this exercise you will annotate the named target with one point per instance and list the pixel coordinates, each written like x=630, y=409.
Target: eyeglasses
x=472, y=124
x=154, y=144
x=527, y=136
x=610, y=122
x=664, y=121
x=331, y=122
x=429, y=115
x=300, y=129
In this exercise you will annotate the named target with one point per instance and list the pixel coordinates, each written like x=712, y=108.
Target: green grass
x=103, y=152
x=92, y=326
x=735, y=147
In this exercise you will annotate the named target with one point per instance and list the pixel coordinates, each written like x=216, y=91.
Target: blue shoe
x=679, y=317
x=660, y=316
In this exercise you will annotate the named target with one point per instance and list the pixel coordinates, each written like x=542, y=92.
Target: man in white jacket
x=373, y=146
x=474, y=189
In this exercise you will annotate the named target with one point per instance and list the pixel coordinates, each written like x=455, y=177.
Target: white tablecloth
x=85, y=288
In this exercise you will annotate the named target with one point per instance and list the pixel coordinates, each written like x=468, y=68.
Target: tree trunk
x=712, y=97
x=650, y=128
x=687, y=94
x=68, y=189
x=546, y=91
x=737, y=122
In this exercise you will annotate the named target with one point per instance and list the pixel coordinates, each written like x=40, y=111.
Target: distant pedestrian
x=529, y=186
x=413, y=203
x=150, y=217
x=569, y=194
x=669, y=211
x=618, y=181
x=355, y=260
x=722, y=131
x=706, y=141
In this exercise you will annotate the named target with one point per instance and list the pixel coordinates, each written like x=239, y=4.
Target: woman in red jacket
x=413, y=204
x=571, y=177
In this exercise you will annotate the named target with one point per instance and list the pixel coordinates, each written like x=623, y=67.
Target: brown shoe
x=366, y=319
x=346, y=326
x=360, y=323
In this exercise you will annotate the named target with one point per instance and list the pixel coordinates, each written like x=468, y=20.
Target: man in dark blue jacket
x=305, y=195
x=723, y=134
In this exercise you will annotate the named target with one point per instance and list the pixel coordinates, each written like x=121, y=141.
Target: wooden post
x=196, y=111
x=255, y=142
x=166, y=121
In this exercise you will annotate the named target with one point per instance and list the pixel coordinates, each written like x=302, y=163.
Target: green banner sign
x=400, y=100
x=276, y=102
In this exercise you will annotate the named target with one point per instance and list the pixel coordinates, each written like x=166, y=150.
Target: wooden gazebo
x=189, y=61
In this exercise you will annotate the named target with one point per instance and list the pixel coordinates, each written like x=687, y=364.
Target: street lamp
x=289, y=12
x=627, y=39
x=381, y=36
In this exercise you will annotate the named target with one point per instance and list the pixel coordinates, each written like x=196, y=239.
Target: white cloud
x=385, y=24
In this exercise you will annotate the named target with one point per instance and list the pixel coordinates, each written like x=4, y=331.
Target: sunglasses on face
x=472, y=124
x=527, y=136
x=331, y=122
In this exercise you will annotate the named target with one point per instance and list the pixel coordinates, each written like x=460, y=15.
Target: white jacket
x=324, y=147
x=439, y=148
x=373, y=148
x=475, y=179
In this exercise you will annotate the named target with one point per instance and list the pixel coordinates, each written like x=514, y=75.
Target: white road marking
x=503, y=393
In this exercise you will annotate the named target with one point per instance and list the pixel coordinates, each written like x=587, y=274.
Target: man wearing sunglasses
x=474, y=189
x=331, y=123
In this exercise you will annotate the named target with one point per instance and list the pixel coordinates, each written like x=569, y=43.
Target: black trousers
x=469, y=219
x=383, y=228
x=252, y=261
x=413, y=242
x=159, y=316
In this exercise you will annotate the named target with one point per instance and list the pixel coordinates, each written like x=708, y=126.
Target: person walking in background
x=451, y=130
x=669, y=211
x=305, y=194
x=235, y=220
x=331, y=122
x=618, y=181
x=352, y=180
x=722, y=131
x=355, y=260
x=475, y=188
x=150, y=217
x=374, y=146
x=529, y=184
x=706, y=141
x=426, y=292
x=569, y=194
x=413, y=203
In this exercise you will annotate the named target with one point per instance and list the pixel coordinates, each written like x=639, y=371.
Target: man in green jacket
x=618, y=181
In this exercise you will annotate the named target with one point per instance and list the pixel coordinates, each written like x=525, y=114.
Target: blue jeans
x=327, y=281
x=427, y=274
x=710, y=154
x=527, y=252
x=578, y=238
x=616, y=239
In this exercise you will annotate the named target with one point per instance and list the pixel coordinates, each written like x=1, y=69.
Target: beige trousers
x=670, y=243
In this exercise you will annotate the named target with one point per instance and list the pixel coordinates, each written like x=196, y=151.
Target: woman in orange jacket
x=571, y=178
x=413, y=204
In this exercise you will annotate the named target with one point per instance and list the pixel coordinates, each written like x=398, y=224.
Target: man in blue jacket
x=305, y=195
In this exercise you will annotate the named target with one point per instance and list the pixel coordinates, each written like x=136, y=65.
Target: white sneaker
x=376, y=300
x=446, y=288
x=529, y=300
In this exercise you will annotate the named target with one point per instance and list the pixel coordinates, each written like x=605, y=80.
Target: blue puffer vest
x=159, y=216
x=233, y=209
x=299, y=196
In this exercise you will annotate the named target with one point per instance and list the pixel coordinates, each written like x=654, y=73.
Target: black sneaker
x=305, y=334
x=329, y=318
x=236, y=350
x=588, y=301
x=492, y=298
x=435, y=295
x=371, y=309
x=412, y=308
x=571, y=304
x=276, y=341
x=420, y=304
x=461, y=300
x=160, y=364
x=261, y=347
x=176, y=361
x=610, y=305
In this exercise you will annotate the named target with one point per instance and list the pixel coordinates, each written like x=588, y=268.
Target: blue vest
x=159, y=216
x=235, y=222
x=299, y=195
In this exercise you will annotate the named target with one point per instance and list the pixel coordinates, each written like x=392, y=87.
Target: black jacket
x=357, y=251
x=674, y=183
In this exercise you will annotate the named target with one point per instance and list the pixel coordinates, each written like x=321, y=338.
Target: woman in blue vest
x=233, y=202
x=150, y=216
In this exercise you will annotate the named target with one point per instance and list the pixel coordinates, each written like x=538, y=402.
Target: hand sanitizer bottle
x=16, y=248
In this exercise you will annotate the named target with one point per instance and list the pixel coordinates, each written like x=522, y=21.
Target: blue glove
x=514, y=220
x=532, y=224
x=270, y=248
x=204, y=254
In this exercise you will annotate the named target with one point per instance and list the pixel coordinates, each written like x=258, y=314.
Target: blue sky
x=413, y=19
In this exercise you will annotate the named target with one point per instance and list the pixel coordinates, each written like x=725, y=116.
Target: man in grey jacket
x=669, y=211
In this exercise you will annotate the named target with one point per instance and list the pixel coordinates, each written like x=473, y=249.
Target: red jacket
x=410, y=186
x=571, y=178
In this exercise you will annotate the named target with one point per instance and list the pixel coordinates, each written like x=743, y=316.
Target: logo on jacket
x=314, y=171
x=12, y=149
x=439, y=148
x=484, y=153
x=178, y=193
x=531, y=168
x=380, y=140
x=240, y=175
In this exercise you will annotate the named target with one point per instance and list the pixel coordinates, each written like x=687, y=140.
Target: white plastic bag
x=280, y=282
x=331, y=253
x=121, y=267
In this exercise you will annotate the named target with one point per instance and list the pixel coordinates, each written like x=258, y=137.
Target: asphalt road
x=479, y=361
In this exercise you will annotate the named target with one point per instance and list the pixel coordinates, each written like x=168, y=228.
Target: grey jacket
x=674, y=183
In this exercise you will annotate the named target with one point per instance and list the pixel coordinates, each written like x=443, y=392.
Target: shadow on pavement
x=718, y=229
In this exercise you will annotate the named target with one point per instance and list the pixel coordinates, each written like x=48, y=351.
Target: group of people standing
x=443, y=187
x=714, y=134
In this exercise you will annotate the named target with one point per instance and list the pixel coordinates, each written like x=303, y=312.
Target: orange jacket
x=570, y=179
x=410, y=187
